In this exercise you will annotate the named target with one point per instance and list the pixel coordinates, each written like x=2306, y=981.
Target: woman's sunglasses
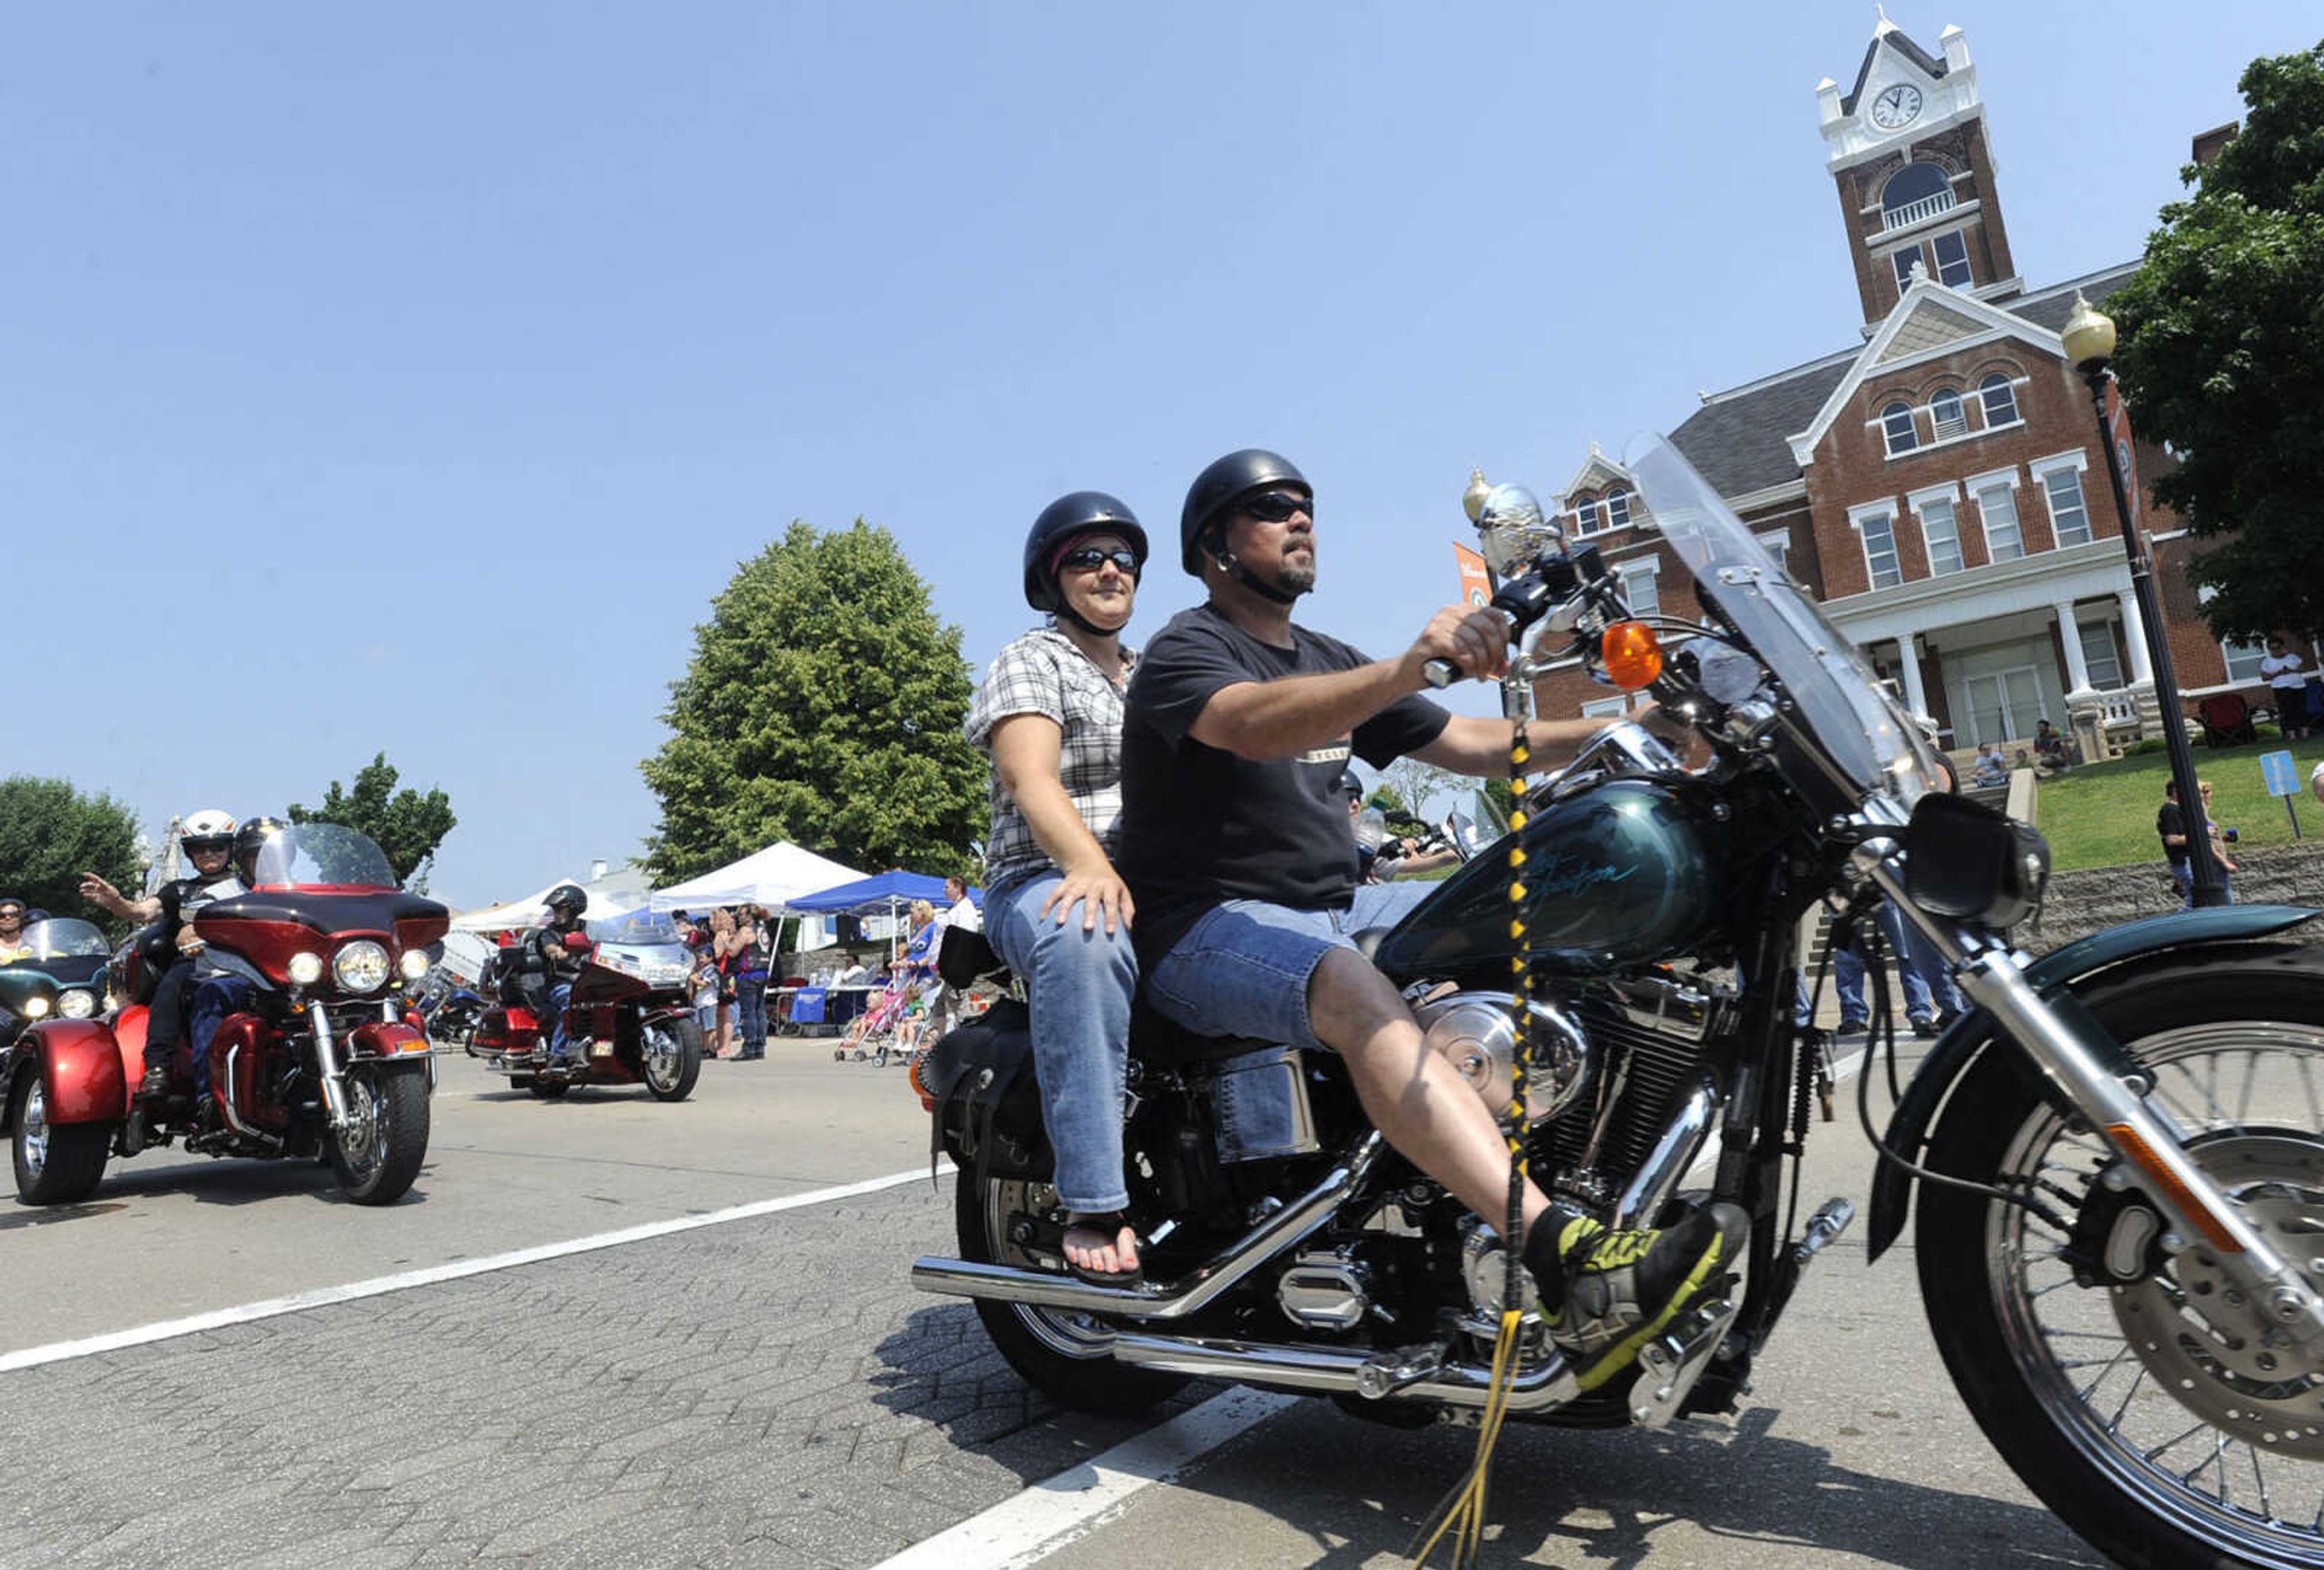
x=1276, y=506
x=1089, y=557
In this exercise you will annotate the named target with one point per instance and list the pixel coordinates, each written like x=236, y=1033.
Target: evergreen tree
x=823, y=705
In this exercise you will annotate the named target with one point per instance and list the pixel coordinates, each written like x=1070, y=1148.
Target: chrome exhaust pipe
x=1324, y=1371
x=1196, y=1290
x=1683, y=1138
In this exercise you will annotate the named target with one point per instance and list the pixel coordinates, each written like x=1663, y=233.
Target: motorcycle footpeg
x=1670, y=1363
x=1386, y=1372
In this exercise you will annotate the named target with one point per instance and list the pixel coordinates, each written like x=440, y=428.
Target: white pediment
x=1945, y=97
x=1597, y=472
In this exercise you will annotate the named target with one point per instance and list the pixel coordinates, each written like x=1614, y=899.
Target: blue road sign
x=2282, y=775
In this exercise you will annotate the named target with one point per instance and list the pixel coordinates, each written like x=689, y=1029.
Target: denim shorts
x=1242, y=969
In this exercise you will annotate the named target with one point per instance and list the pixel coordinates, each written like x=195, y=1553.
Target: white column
x=2134, y=639
x=2069, y=636
x=1909, y=648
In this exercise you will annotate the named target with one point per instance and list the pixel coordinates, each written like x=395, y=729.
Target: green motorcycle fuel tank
x=1627, y=872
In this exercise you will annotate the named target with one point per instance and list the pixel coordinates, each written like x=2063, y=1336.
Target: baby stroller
x=881, y=1021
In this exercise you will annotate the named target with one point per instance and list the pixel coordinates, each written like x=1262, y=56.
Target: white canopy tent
x=772, y=877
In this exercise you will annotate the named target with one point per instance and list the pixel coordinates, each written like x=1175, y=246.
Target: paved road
x=769, y=1393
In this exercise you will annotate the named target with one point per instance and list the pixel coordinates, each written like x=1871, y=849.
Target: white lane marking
x=268, y=1308
x=1045, y=1518
x=1839, y=1071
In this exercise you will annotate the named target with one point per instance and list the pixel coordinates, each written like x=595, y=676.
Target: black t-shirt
x=1200, y=826
x=2168, y=822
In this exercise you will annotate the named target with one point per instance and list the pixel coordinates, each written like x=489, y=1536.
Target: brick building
x=1938, y=486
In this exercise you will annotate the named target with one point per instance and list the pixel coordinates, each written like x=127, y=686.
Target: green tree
x=51, y=833
x=823, y=705
x=405, y=824
x=2222, y=355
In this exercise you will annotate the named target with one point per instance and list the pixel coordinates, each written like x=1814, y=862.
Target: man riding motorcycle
x=225, y=983
x=207, y=839
x=549, y=967
x=1235, y=845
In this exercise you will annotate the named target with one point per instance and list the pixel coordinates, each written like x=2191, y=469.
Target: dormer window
x=1946, y=413
x=1589, y=518
x=1916, y=191
x=1618, y=509
x=1897, y=429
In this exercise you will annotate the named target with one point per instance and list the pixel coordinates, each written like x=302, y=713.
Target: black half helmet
x=250, y=839
x=567, y=900
x=1079, y=512
x=1238, y=473
x=1349, y=786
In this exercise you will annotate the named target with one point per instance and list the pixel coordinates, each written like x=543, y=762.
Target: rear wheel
x=670, y=1051
x=1068, y=1357
x=2129, y=1386
x=379, y=1152
x=56, y=1163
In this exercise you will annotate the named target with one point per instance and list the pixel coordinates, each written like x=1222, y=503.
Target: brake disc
x=2199, y=1336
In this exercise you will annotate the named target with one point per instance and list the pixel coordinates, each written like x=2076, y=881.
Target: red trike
x=628, y=1021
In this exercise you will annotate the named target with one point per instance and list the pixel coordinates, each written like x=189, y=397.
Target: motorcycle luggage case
x=988, y=1103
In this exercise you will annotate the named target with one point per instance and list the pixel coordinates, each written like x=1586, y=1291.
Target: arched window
x=1913, y=193
x=1897, y=427
x=2000, y=401
x=1947, y=415
x=1618, y=507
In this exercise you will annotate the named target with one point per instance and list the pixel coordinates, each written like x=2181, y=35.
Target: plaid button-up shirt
x=1044, y=673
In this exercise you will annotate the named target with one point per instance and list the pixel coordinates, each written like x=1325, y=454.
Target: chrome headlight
x=361, y=966
x=305, y=968
x=414, y=964
x=36, y=1007
x=76, y=1004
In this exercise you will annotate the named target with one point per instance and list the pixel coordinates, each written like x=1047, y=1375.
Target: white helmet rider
x=208, y=830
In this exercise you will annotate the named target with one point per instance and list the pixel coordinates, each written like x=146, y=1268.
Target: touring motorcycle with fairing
x=2118, y=1155
x=318, y=1061
x=630, y=1019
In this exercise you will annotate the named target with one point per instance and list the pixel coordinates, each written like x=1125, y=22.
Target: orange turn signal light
x=1631, y=654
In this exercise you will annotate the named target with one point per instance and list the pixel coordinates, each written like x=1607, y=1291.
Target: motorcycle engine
x=1476, y=1032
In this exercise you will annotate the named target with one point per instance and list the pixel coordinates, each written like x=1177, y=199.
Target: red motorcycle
x=318, y=1060
x=629, y=1020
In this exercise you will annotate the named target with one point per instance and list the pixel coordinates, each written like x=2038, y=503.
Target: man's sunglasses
x=11, y=914
x=1089, y=557
x=1276, y=506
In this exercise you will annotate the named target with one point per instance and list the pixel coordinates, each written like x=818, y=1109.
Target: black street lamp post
x=2090, y=337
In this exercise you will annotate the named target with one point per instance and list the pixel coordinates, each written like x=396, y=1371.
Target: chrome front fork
x=327, y=1059
x=2117, y=1110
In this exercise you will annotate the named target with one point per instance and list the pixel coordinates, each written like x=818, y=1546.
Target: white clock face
x=1899, y=106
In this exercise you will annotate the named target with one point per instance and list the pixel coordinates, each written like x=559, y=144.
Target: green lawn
x=2102, y=814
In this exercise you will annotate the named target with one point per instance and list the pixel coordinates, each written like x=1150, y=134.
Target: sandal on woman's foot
x=1097, y=1226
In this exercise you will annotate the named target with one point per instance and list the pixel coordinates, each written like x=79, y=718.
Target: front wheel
x=56, y=1163
x=1068, y=1357
x=671, y=1055
x=379, y=1152
x=2127, y=1385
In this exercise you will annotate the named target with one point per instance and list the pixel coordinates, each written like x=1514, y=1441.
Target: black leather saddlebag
x=988, y=1104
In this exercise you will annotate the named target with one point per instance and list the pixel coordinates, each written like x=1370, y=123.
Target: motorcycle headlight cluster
x=414, y=963
x=36, y=1007
x=76, y=1004
x=305, y=969
x=361, y=966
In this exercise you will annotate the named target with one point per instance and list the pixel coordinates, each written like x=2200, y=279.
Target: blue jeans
x=1929, y=987
x=1078, y=985
x=751, y=997
x=2182, y=878
x=553, y=1018
x=1243, y=969
x=214, y=1000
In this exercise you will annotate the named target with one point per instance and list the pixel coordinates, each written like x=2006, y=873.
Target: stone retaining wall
x=2083, y=902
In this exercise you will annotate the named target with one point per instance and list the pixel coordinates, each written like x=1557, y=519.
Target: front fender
x=2055, y=975
x=382, y=1039
x=79, y=1064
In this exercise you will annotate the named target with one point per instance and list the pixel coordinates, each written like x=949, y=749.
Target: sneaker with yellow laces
x=1615, y=1288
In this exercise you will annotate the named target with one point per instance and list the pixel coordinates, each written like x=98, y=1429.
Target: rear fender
x=81, y=1065
x=2057, y=976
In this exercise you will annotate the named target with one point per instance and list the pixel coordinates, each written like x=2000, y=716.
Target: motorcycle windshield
x=1865, y=734
x=639, y=927
x=64, y=938
x=319, y=855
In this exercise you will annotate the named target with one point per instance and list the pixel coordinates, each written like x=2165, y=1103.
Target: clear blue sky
x=409, y=378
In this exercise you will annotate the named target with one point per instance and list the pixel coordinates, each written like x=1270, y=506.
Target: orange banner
x=1476, y=578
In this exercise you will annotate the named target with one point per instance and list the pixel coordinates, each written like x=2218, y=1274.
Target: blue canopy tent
x=884, y=893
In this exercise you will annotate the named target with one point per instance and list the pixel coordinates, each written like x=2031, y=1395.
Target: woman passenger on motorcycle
x=1049, y=714
x=207, y=839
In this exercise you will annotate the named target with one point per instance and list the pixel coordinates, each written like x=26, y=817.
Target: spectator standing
x=945, y=1011
x=749, y=962
x=2170, y=825
x=2287, y=682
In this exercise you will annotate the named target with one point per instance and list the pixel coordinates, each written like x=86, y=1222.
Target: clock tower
x=1908, y=151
